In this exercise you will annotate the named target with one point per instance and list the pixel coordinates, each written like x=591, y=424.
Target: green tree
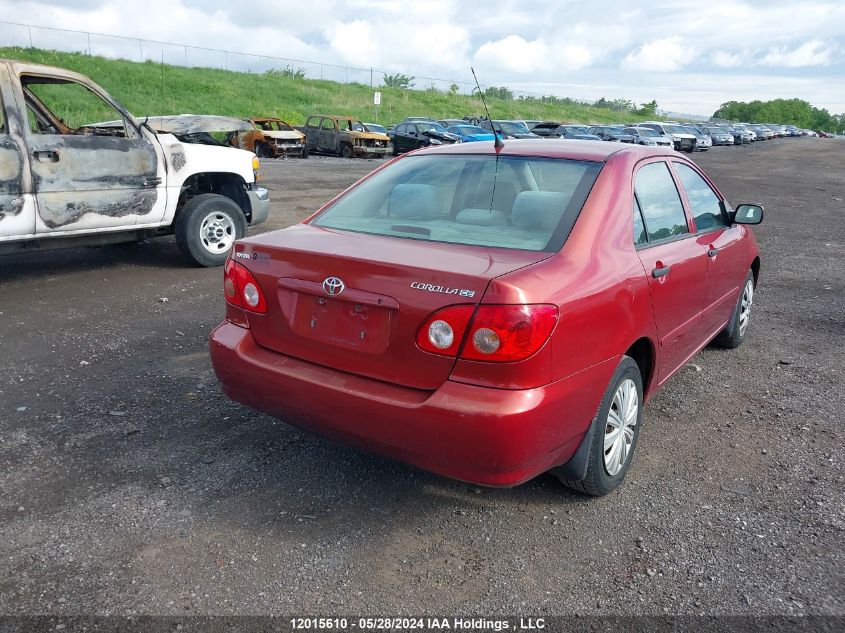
x=784, y=111
x=404, y=82
x=648, y=109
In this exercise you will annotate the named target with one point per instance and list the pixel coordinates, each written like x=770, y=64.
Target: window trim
x=688, y=205
x=681, y=196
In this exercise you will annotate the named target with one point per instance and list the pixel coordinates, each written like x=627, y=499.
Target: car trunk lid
x=354, y=301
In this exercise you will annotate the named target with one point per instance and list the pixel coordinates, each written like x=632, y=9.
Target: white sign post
x=377, y=101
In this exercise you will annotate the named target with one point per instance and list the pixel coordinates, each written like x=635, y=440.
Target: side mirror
x=748, y=214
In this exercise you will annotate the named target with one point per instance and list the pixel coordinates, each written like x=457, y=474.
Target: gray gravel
x=130, y=485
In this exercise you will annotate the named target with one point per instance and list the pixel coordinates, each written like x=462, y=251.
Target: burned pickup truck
x=67, y=181
x=344, y=136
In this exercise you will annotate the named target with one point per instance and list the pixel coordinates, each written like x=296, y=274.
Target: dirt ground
x=130, y=485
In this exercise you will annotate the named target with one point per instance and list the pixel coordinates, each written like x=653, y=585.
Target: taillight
x=443, y=331
x=241, y=288
x=508, y=333
x=497, y=333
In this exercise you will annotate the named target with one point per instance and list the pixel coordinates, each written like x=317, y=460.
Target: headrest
x=538, y=209
x=414, y=202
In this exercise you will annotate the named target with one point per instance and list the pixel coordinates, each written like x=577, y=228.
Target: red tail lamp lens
x=442, y=332
x=241, y=288
x=509, y=333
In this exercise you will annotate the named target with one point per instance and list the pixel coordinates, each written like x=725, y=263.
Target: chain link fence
x=143, y=50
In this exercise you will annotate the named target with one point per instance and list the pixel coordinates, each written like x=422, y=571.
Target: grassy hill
x=151, y=88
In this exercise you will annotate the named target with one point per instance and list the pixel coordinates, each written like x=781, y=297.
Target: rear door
x=87, y=176
x=674, y=262
x=726, y=269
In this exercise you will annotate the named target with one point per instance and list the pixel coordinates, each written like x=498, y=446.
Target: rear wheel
x=206, y=228
x=734, y=333
x=617, y=428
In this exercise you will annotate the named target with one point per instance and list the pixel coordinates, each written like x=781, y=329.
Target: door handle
x=711, y=252
x=660, y=271
x=46, y=156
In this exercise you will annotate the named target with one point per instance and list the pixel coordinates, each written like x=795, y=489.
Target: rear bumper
x=492, y=437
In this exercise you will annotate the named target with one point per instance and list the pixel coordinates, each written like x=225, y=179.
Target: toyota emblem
x=333, y=285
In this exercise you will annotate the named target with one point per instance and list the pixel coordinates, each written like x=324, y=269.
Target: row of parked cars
x=348, y=137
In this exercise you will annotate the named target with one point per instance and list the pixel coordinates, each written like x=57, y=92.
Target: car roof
x=596, y=151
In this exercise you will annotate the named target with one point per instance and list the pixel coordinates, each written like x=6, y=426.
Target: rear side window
x=507, y=201
x=706, y=206
x=660, y=203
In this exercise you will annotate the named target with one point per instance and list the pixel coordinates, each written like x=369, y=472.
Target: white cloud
x=727, y=60
x=516, y=54
x=577, y=49
x=812, y=53
x=662, y=55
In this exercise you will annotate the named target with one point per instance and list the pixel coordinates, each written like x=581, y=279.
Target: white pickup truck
x=67, y=181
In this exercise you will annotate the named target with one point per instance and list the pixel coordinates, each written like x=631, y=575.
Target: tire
x=604, y=470
x=262, y=150
x=734, y=333
x=305, y=153
x=206, y=228
x=346, y=150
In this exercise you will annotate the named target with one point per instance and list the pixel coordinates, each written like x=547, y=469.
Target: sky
x=689, y=57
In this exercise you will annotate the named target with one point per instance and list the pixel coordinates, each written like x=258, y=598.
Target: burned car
x=271, y=138
x=330, y=134
x=67, y=182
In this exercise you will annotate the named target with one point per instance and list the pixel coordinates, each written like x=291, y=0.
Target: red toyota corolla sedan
x=488, y=315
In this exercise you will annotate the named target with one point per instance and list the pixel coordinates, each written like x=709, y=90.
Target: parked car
x=683, y=140
x=68, y=181
x=375, y=128
x=703, y=142
x=719, y=136
x=611, y=133
x=547, y=129
x=577, y=132
x=647, y=136
x=415, y=134
x=469, y=133
x=331, y=134
x=483, y=329
x=748, y=135
x=508, y=129
x=271, y=138
x=763, y=133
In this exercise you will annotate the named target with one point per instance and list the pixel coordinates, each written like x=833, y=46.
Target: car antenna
x=498, y=144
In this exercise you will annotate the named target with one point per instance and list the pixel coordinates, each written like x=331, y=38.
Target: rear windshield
x=506, y=201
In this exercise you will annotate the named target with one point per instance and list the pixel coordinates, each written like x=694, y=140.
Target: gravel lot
x=130, y=485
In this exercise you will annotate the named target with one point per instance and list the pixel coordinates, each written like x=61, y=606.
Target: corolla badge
x=333, y=285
